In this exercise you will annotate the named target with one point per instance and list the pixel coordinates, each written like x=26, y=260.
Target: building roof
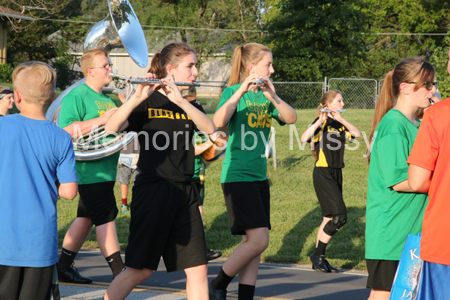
x=7, y=12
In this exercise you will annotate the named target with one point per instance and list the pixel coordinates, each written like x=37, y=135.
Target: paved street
x=274, y=282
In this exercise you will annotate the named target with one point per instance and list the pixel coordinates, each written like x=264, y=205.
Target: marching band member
x=82, y=110
x=165, y=219
x=248, y=111
x=394, y=210
x=328, y=133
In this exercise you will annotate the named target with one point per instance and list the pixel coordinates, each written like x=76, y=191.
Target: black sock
x=115, y=263
x=246, y=292
x=222, y=281
x=66, y=259
x=320, y=250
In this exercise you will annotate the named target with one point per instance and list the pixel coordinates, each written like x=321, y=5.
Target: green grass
x=295, y=212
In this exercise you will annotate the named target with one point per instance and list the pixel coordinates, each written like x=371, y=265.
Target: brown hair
x=171, y=54
x=250, y=53
x=327, y=98
x=408, y=70
x=87, y=59
x=35, y=81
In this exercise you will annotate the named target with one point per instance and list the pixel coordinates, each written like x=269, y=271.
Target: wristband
x=211, y=140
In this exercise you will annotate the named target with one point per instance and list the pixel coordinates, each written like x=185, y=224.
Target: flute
x=139, y=80
x=258, y=81
x=330, y=110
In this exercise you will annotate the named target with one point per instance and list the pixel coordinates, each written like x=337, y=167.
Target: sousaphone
x=120, y=29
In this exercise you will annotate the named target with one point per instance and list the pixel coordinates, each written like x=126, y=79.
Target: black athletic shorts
x=381, y=273
x=201, y=192
x=248, y=205
x=165, y=221
x=328, y=186
x=25, y=283
x=97, y=202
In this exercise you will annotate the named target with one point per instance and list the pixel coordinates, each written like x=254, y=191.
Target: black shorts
x=201, y=192
x=328, y=187
x=165, y=221
x=248, y=205
x=97, y=202
x=28, y=283
x=381, y=273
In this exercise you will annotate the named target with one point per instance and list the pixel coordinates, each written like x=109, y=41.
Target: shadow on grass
x=342, y=246
x=218, y=235
x=292, y=161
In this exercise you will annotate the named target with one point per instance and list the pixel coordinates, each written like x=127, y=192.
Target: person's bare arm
x=68, y=190
x=419, y=179
x=79, y=128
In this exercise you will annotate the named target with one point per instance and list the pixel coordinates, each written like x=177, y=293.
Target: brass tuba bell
x=120, y=29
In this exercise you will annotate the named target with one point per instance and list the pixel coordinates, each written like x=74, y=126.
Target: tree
x=28, y=41
x=394, y=17
x=315, y=38
x=206, y=17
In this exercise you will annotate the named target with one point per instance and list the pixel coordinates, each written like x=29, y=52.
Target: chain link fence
x=357, y=93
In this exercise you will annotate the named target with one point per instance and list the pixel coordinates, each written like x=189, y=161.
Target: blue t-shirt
x=34, y=154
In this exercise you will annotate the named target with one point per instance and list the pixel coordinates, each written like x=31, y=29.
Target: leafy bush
x=6, y=71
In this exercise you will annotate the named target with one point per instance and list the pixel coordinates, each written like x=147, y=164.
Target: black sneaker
x=330, y=267
x=216, y=294
x=210, y=254
x=318, y=263
x=71, y=275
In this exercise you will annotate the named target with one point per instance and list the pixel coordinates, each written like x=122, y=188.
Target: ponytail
x=385, y=103
x=236, y=67
x=155, y=65
x=172, y=54
x=250, y=53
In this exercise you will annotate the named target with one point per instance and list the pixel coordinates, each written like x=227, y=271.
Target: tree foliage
x=242, y=15
x=314, y=38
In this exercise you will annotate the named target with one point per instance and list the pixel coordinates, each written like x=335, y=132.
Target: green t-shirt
x=249, y=129
x=391, y=215
x=200, y=165
x=82, y=104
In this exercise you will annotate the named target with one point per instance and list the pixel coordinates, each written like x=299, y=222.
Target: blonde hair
x=408, y=70
x=35, y=81
x=250, y=53
x=87, y=59
x=327, y=98
x=172, y=54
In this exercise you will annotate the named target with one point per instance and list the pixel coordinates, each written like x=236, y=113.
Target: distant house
x=7, y=14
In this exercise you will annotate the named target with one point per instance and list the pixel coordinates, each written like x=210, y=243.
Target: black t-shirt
x=329, y=143
x=166, y=139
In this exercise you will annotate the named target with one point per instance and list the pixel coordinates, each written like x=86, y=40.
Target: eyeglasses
x=429, y=85
x=106, y=67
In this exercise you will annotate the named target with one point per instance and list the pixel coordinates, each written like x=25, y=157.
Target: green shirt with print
x=391, y=215
x=249, y=129
x=83, y=104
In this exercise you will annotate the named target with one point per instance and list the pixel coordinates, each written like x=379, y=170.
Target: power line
x=401, y=33
x=242, y=30
x=163, y=27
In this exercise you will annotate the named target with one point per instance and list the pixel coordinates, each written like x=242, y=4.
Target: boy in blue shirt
x=35, y=155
